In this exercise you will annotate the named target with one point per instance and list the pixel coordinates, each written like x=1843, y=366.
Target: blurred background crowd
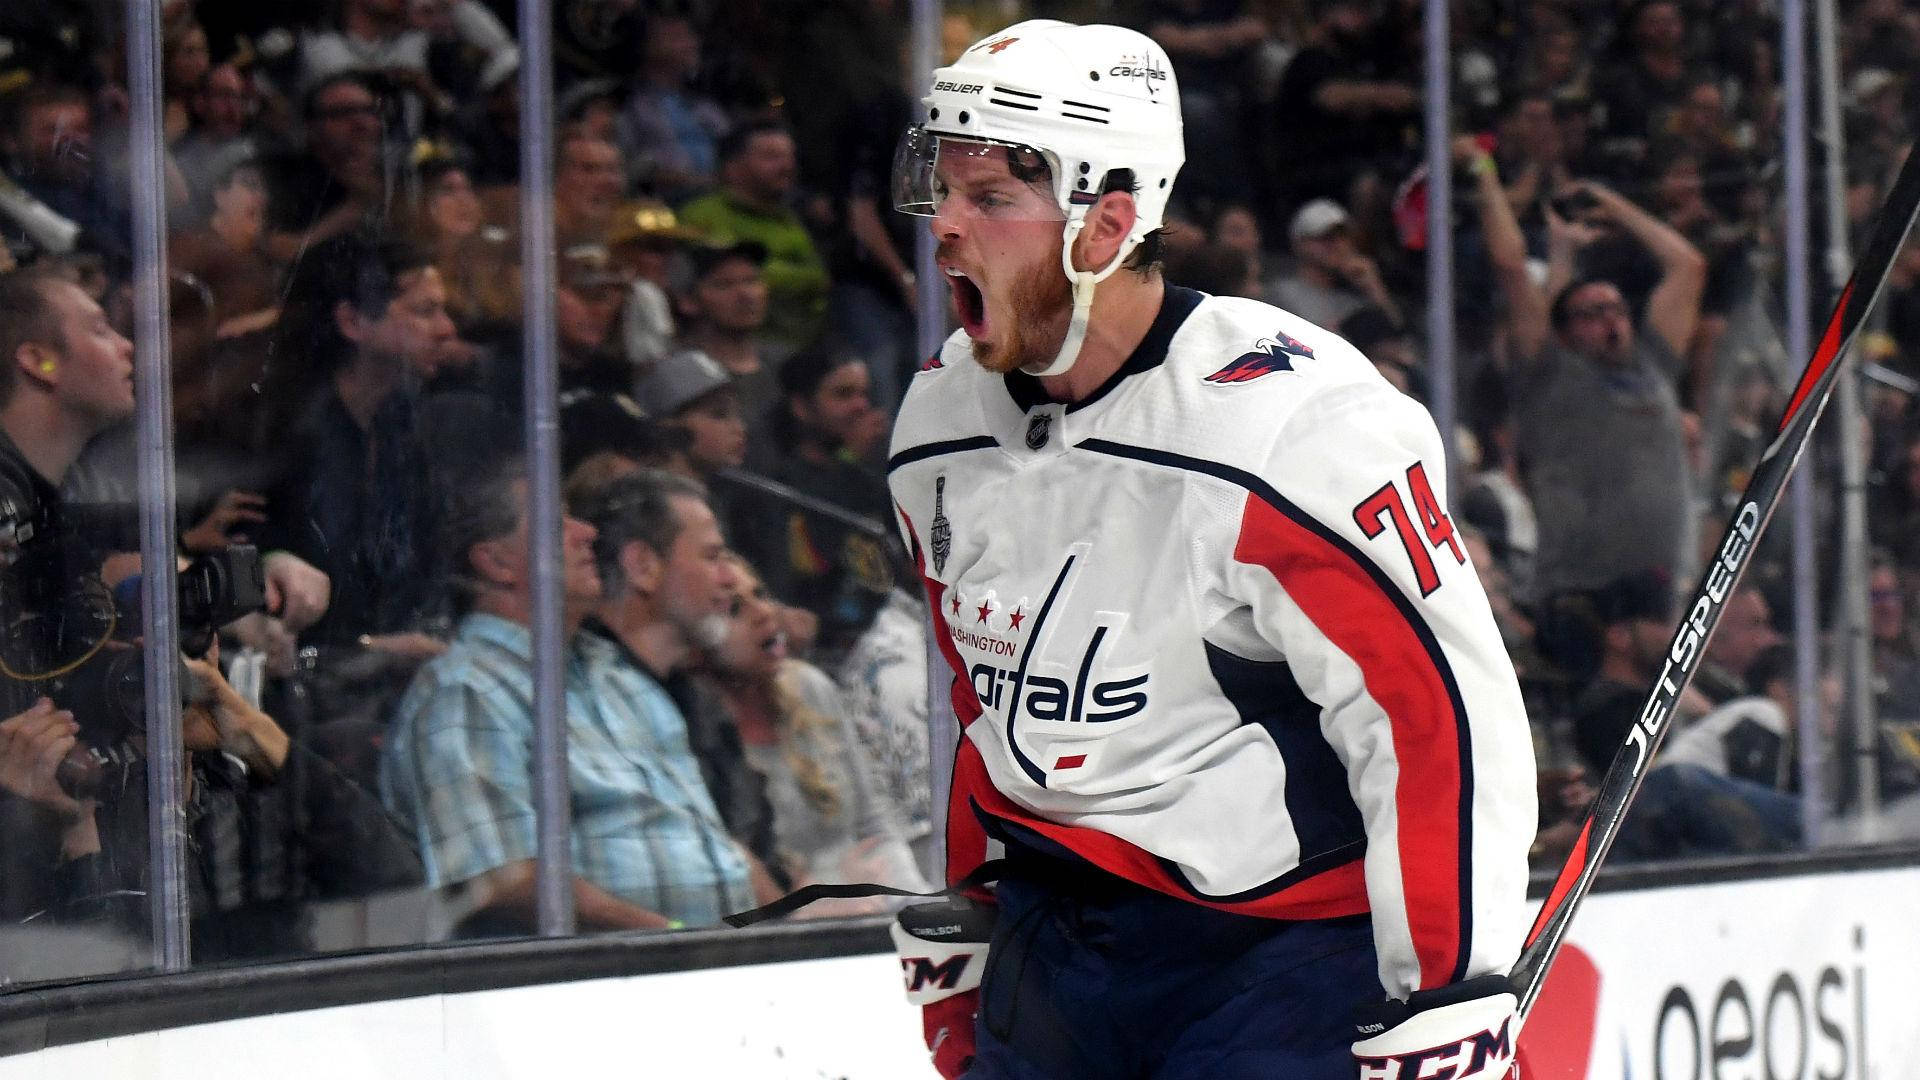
x=736, y=303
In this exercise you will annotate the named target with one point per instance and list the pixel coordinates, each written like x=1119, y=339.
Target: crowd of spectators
x=734, y=299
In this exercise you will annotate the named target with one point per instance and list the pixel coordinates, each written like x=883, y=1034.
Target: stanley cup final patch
x=942, y=535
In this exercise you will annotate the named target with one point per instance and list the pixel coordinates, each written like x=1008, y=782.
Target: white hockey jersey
x=1214, y=633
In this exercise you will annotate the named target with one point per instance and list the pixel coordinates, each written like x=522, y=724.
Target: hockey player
x=1233, y=701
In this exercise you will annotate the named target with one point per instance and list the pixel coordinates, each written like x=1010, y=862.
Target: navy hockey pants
x=1104, y=980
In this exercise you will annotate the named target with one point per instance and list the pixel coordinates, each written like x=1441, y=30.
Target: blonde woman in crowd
x=832, y=819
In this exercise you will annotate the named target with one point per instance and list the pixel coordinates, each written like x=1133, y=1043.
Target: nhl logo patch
x=1037, y=430
x=942, y=535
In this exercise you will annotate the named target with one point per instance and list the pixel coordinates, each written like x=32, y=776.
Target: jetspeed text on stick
x=1691, y=637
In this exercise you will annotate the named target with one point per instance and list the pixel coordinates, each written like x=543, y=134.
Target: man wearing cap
x=1331, y=278
x=645, y=235
x=589, y=107
x=586, y=311
x=722, y=307
x=691, y=393
x=759, y=172
x=613, y=434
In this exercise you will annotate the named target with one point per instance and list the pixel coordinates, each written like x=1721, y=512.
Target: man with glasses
x=1597, y=396
x=338, y=180
x=378, y=37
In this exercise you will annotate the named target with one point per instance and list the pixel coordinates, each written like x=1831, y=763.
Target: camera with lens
x=79, y=645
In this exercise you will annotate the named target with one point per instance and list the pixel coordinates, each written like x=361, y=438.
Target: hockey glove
x=1464, y=1032
x=943, y=953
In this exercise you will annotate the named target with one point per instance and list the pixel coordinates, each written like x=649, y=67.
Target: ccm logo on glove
x=1485, y=1054
x=942, y=947
x=923, y=974
x=1459, y=1032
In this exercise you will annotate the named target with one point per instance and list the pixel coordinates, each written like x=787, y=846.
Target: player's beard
x=1041, y=299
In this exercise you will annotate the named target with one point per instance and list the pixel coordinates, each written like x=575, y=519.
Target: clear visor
x=945, y=175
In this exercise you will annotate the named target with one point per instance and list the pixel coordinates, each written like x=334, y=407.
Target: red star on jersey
x=1015, y=619
x=956, y=603
x=986, y=609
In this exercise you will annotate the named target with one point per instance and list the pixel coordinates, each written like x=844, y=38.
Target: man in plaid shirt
x=649, y=850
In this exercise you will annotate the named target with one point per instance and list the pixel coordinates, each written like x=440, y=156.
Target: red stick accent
x=1576, y=863
x=1823, y=358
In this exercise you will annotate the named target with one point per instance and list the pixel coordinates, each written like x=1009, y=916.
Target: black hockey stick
x=1703, y=610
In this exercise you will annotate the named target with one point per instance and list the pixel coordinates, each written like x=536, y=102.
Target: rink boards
x=1786, y=978
x=1808, y=977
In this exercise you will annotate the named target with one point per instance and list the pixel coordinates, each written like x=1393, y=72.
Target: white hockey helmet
x=1090, y=99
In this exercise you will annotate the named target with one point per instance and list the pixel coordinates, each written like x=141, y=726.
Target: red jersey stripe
x=1348, y=605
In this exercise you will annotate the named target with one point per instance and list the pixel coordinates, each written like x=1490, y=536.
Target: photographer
x=33, y=744
x=67, y=376
x=272, y=826
x=73, y=802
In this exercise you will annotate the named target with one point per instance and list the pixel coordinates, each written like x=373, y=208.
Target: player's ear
x=1107, y=224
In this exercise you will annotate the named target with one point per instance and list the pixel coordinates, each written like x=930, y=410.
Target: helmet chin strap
x=1084, y=283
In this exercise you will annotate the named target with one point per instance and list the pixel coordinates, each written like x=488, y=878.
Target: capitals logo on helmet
x=1268, y=356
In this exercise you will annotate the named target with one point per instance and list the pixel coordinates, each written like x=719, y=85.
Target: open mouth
x=775, y=645
x=969, y=302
